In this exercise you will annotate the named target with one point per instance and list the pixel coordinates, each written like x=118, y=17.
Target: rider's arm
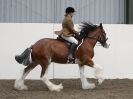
x=70, y=27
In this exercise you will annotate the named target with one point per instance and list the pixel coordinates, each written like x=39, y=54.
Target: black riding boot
x=71, y=53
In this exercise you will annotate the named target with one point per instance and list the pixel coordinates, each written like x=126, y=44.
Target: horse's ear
x=101, y=25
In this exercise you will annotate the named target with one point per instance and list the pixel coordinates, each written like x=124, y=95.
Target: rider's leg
x=71, y=52
x=73, y=46
x=70, y=39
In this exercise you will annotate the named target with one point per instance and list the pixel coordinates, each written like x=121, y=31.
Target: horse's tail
x=24, y=58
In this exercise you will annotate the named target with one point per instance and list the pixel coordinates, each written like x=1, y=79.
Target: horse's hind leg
x=19, y=82
x=85, y=83
x=44, y=78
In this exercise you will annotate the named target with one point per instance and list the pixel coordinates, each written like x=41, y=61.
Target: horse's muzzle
x=106, y=45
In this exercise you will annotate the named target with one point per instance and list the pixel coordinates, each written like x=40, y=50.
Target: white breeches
x=70, y=39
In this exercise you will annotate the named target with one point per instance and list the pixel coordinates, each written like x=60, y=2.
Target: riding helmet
x=70, y=10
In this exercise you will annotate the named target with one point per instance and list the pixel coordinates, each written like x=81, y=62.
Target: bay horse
x=48, y=50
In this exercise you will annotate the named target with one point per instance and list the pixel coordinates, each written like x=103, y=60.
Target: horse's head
x=102, y=36
x=88, y=30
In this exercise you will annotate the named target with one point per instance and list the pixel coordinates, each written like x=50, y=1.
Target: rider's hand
x=77, y=34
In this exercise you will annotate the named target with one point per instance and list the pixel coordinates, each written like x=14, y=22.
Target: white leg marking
x=19, y=83
x=50, y=85
x=85, y=83
x=99, y=73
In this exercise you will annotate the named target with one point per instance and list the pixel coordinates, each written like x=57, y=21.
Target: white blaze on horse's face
x=103, y=39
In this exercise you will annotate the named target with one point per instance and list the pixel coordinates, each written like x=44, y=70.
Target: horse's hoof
x=89, y=86
x=24, y=87
x=56, y=88
x=59, y=88
x=100, y=81
x=20, y=86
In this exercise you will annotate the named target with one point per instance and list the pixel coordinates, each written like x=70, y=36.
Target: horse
x=48, y=50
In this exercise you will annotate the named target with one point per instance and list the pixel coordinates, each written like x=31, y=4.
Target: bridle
x=101, y=42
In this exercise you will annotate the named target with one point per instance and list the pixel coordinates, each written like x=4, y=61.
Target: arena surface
x=110, y=89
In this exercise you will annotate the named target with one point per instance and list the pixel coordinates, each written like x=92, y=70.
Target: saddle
x=69, y=44
x=65, y=41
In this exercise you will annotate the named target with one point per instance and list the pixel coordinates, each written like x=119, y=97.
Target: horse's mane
x=86, y=28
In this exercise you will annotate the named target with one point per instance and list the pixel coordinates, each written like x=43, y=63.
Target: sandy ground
x=110, y=89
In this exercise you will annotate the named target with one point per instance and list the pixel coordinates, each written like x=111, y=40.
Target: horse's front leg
x=85, y=83
x=98, y=69
x=98, y=73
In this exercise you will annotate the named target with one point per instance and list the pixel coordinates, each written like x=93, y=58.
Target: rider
x=68, y=32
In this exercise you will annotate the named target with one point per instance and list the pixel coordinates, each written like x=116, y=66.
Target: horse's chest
x=85, y=52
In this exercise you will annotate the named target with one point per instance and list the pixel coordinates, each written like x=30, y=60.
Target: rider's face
x=72, y=14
